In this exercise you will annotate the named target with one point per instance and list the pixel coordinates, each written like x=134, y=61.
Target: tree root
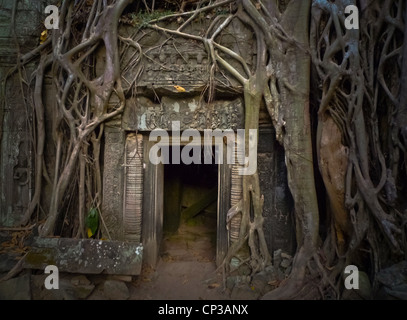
x=309, y=279
x=18, y=267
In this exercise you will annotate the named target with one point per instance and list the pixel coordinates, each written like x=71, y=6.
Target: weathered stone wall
x=278, y=204
x=16, y=153
x=142, y=114
x=113, y=180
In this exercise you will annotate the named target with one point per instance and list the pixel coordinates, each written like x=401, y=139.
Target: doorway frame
x=153, y=204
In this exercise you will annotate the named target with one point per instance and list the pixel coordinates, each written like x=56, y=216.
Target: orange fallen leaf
x=44, y=36
x=179, y=88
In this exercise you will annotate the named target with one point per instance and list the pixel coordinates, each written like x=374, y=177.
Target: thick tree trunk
x=298, y=144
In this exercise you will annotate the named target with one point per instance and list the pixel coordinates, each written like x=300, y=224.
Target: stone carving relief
x=144, y=115
x=16, y=144
x=185, y=62
x=15, y=162
x=188, y=68
x=112, y=206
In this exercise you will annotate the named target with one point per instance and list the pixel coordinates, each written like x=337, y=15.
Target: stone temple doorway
x=190, y=211
x=184, y=201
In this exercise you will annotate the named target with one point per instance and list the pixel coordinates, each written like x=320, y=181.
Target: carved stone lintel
x=143, y=115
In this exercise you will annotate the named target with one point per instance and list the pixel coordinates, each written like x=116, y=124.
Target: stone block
x=116, y=290
x=86, y=256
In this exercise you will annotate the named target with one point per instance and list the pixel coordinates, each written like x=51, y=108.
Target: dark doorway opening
x=190, y=211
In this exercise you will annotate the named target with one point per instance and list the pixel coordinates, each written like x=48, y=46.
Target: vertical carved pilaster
x=112, y=206
x=133, y=188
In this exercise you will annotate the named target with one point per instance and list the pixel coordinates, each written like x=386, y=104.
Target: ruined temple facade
x=141, y=200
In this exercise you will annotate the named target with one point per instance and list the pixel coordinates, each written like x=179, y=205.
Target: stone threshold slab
x=86, y=256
